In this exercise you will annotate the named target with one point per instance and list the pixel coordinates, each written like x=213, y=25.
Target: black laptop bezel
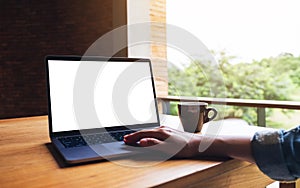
x=98, y=130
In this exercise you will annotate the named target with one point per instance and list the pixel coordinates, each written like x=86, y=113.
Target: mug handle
x=206, y=118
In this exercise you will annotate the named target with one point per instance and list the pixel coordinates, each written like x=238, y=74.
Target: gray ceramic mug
x=194, y=114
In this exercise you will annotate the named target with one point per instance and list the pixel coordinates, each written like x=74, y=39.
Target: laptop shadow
x=142, y=157
x=136, y=157
x=60, y=160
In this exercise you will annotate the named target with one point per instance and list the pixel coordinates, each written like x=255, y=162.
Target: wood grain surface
x=26, y=160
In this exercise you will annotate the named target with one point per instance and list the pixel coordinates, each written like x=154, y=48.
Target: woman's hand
x=167, y=140
x=184, y=145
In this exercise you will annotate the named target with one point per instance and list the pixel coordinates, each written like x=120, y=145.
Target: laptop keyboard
x=92, y=139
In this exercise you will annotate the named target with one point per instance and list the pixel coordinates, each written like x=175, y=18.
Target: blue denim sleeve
x=277, y=153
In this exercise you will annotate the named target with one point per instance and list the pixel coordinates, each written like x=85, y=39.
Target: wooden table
x=26, y=161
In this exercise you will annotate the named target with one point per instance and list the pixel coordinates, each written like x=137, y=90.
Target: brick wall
x=159, y=49
x=31, y=29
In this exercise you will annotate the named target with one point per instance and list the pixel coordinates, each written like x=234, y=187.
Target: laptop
x=94, y=101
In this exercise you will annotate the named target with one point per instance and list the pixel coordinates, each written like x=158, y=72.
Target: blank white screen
x=117, y=101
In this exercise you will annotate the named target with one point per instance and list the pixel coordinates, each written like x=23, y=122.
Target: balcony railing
x=260, y=105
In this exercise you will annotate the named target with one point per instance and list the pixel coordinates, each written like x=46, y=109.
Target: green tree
x=269, y=79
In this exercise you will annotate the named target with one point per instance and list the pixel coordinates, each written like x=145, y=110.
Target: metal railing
x=260, y=105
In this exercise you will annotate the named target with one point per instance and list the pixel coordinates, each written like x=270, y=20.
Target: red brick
x=30, y=30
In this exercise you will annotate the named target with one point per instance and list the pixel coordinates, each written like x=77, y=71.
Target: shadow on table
x=60, y=160
x=141, y=157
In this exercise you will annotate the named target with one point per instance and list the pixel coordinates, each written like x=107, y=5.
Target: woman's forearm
x=238, y=147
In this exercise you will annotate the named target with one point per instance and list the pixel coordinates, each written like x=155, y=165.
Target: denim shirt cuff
x=268, y=154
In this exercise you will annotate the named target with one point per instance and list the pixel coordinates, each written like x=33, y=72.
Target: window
x=256, y=43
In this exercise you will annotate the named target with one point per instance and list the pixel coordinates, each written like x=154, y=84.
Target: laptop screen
x=88, y=94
